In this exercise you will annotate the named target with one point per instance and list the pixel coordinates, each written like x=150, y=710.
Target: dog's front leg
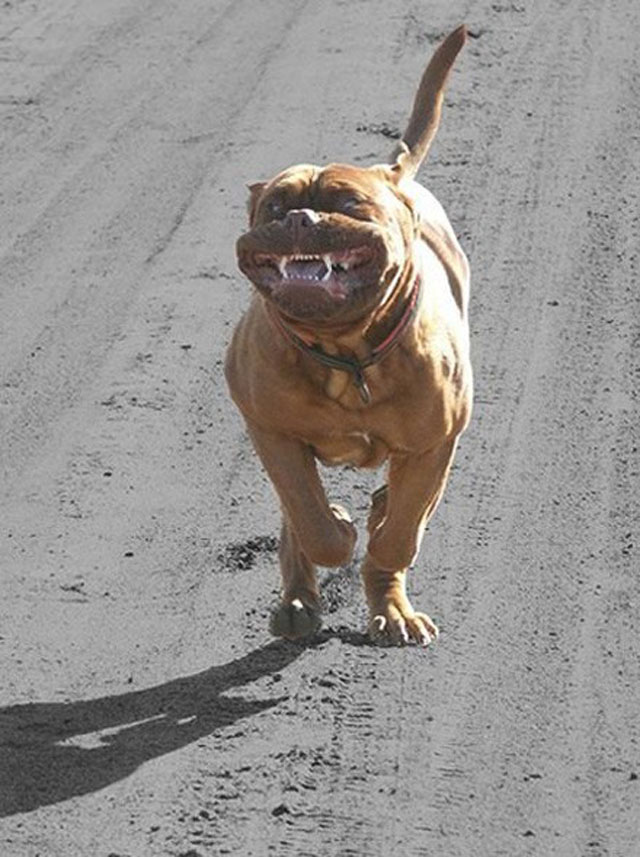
x=399, y=514
x=313, y=532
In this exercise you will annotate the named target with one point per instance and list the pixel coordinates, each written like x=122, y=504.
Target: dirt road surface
x=145, y=709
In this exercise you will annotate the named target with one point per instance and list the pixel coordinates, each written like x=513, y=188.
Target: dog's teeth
x=327, y=264
x=282, y=264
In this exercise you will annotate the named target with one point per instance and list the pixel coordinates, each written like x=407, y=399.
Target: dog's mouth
x=337, y=272
x=333, y=273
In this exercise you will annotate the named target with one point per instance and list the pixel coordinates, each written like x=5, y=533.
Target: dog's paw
x=394, y=627
x=295, y=620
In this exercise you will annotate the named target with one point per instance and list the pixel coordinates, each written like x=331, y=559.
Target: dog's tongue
x=312, y=269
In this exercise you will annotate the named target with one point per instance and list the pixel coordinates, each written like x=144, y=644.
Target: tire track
x=97, y=284
x=518, y=674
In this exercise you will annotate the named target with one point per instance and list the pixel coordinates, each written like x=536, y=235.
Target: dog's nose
x=300, y=218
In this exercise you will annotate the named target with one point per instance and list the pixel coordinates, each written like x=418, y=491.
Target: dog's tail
x=425, y=116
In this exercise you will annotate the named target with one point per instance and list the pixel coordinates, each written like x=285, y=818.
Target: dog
x=355, y=350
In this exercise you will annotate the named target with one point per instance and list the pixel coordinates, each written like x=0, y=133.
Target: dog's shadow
x=51, y=751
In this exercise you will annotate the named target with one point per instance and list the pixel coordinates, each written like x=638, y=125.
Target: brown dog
x=355, y=350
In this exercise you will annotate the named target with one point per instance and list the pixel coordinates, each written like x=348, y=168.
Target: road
x=145, y=710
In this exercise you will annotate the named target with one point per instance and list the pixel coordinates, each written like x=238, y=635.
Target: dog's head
x=328, y=243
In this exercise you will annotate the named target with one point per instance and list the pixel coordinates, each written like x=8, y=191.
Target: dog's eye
x=275, y=207
x=350, y=204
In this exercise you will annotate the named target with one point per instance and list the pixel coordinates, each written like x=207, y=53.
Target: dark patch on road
x=241, y=556
x=380, y=128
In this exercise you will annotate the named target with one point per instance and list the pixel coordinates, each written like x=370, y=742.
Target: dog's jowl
x=354, y=350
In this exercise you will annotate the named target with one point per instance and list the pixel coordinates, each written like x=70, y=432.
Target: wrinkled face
x=327, y=243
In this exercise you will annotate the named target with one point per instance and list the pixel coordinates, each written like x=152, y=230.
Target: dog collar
x=349, y=364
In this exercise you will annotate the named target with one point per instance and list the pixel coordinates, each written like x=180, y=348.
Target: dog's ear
x=255, y=194
x=392, y=175
x=425, y=115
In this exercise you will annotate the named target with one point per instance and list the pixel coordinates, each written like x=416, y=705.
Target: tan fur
x=298, y=410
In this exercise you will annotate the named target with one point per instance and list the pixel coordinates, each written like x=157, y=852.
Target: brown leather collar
x=350, y=364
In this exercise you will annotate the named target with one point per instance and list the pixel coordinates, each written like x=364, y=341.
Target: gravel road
x=145, y=710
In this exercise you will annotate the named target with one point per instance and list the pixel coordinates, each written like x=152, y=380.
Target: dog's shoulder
x=436, y=232
x=262, y=370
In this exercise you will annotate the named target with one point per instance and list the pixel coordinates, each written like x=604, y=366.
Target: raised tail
x=427, y=106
